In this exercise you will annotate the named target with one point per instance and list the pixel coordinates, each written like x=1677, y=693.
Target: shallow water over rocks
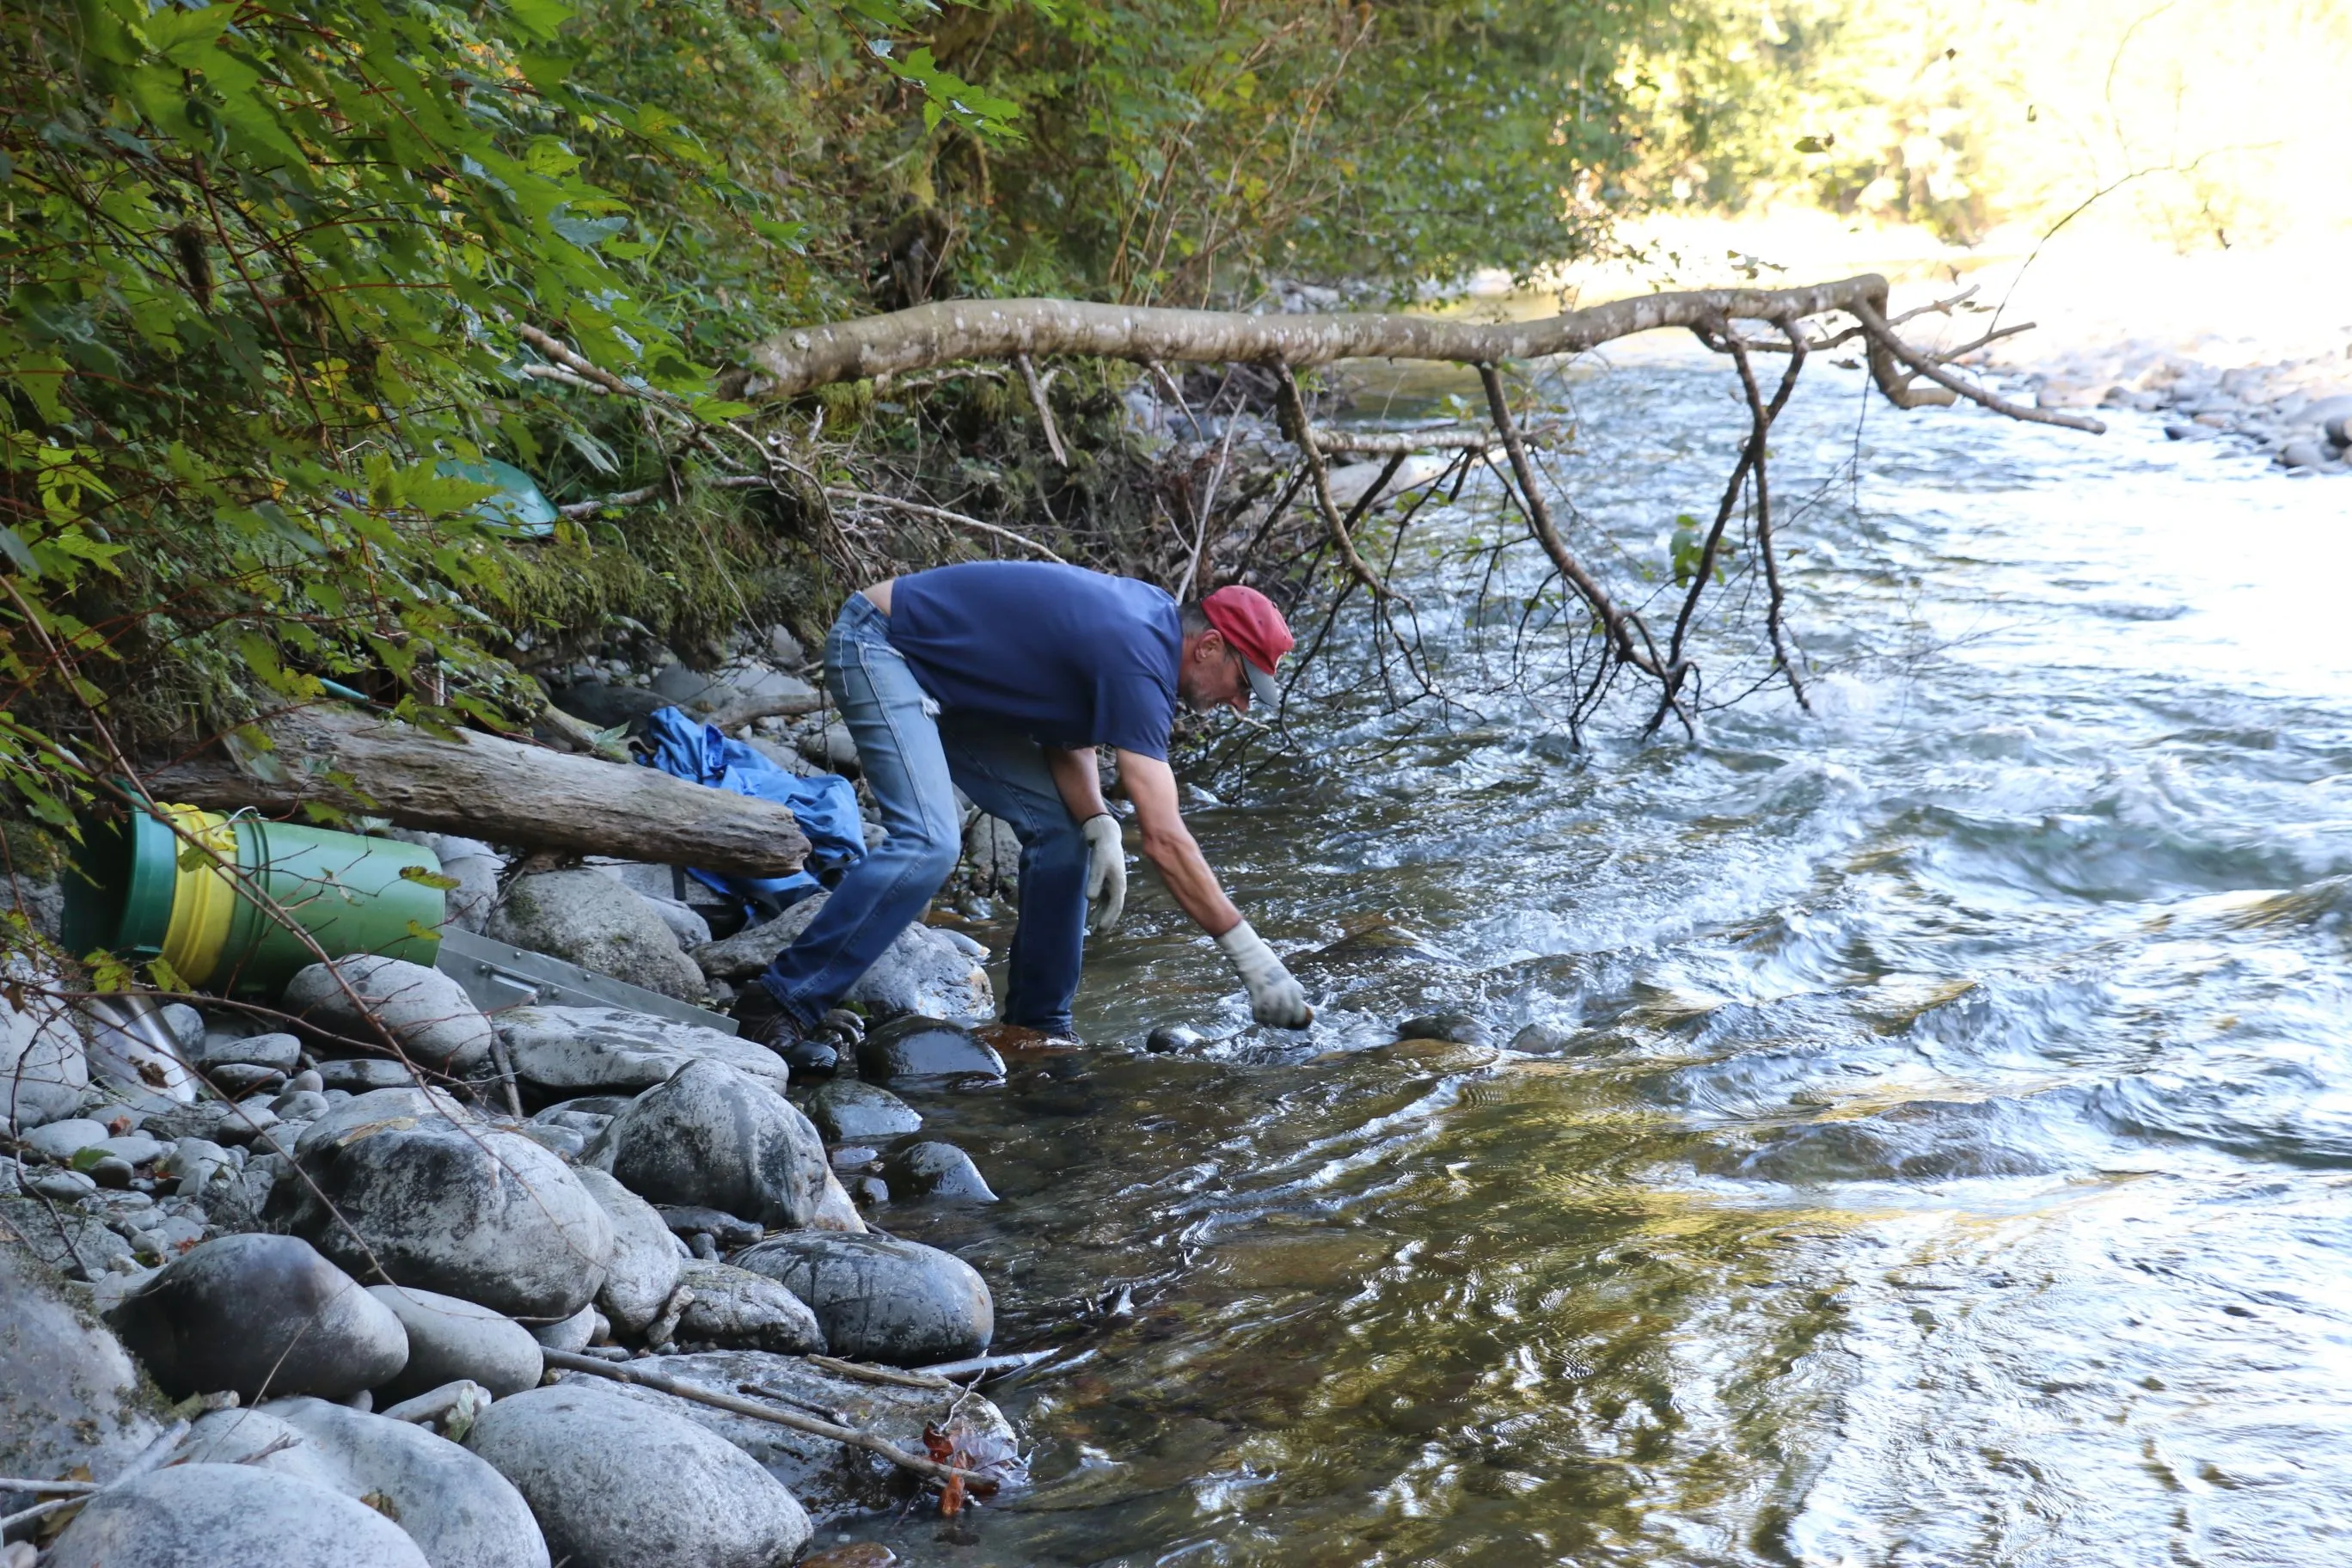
x=1917, y=1132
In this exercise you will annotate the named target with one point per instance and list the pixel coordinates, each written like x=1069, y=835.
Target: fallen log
x=485, y=787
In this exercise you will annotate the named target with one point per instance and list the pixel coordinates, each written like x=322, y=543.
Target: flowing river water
x=1937, y=1147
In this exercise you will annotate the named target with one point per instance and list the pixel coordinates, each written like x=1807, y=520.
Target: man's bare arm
x=1077, y=780
x=1167, y=843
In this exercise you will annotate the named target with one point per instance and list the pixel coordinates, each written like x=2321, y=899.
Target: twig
x=984, y=1364
x=18, y=1484
x=1302, y=436
x=1882, y=335
x=941, y=514
x=892, y=1376
x=810, y=1425
x=1383, y=443
x=504, y=1064
x=1044, y=410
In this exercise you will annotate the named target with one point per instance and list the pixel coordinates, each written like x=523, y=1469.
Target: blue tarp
x=826, y=804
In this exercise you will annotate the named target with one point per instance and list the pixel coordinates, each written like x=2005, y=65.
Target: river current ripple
x=1939, y=1148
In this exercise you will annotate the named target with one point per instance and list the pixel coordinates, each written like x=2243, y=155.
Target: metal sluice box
x=497, y=976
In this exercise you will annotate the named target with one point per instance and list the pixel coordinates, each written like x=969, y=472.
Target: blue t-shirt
x=1069, y=657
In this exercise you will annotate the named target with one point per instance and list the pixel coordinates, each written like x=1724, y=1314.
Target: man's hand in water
x=1276, y=997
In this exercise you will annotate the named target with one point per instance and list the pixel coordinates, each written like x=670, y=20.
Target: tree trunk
x=485, y=787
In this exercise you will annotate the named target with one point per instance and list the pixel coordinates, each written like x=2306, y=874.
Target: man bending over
x=1001, y=677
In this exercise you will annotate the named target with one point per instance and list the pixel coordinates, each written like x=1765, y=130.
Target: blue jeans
x=914, y=763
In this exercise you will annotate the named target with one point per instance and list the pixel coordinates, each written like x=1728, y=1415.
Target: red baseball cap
x=1248, y=621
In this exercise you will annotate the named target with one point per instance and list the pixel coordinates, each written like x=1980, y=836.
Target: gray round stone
x=920, y=1049
x=847, y=1110
x=260, y=1314
x=880, y=1299
x=644, y=1270
x=714, y=1136
x=929, y=1169
x=207, y=1516
x=450, y=1339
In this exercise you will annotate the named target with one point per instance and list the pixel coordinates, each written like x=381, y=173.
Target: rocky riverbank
x=355, y=1279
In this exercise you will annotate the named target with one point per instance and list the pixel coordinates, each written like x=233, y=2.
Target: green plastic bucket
x=143, y=893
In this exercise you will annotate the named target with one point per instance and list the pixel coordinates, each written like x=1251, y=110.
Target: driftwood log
x=485, y=787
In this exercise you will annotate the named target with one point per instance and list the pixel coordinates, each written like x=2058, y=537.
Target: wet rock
x=1543, y=1039
x=922, y=971
x=426, y=1011
x=261, y=1313
x=831, y=1482
x=450, y=1339
x=621, y=1483
x=577, y=1050
x=644, y=1270
x=592, y=920
x=1459, y=1028
x=926, y=1051
x=735, y=1309
x=205, y=1516
x=1174, y=1037
x=844, y=1108
x=716, y=1137
x=933, y=1170
x=472, y=1210
x=880, y=1299
x=42, y=1069
x=459, y=1511
x=69, y=1394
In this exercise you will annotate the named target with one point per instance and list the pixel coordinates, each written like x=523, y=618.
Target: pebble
x=362, y=1075
x=450, y=1340
x=1459, y=1028
x=261, y=1313
x=618, y=1482
x=64, y=1186
x=1174, y=1037
x=880, y=1299
x=236, y=1078
x=198, y=1516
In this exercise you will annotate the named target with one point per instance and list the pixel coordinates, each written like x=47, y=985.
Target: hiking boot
x=758, y=1017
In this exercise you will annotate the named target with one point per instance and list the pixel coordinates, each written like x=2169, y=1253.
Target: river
x=1939, y=1147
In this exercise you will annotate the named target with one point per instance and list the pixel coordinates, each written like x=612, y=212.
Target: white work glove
x=1105, y=870
x=1275, y=997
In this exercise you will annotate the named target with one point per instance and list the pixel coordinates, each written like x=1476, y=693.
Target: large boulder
x=457, y=1207
x=592, y=920
x=605, y=1050
x=880, y=1299
x=43, y=1070
x=922, y=971
x=831, y=1481
x=736, y=1309
x=644, y=1267
x=459, y=1511
x=69, y=1396
x=425, y=1011
x=621, y=1483
x=450, y=1339
x=716, y=1137
x=207, y=1516
x=260, y=1314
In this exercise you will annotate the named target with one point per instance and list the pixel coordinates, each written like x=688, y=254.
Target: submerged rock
x=735, y=1309
x=1457, y=1028
x=451, y=1340
x=923, y=1050
x=618, y=1482
x=470, y=1210
x=585, y=1050
x=459, y=1511
x=921, y=971
x=714, y=1136
x=260, y=1313
x=880, y=1299
x=425, y=1011
x=207, y=1516
x=591, y=920
x=831, y=1481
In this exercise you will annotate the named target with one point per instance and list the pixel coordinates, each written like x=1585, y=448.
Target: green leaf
x=433, y=880
x=12, y=544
